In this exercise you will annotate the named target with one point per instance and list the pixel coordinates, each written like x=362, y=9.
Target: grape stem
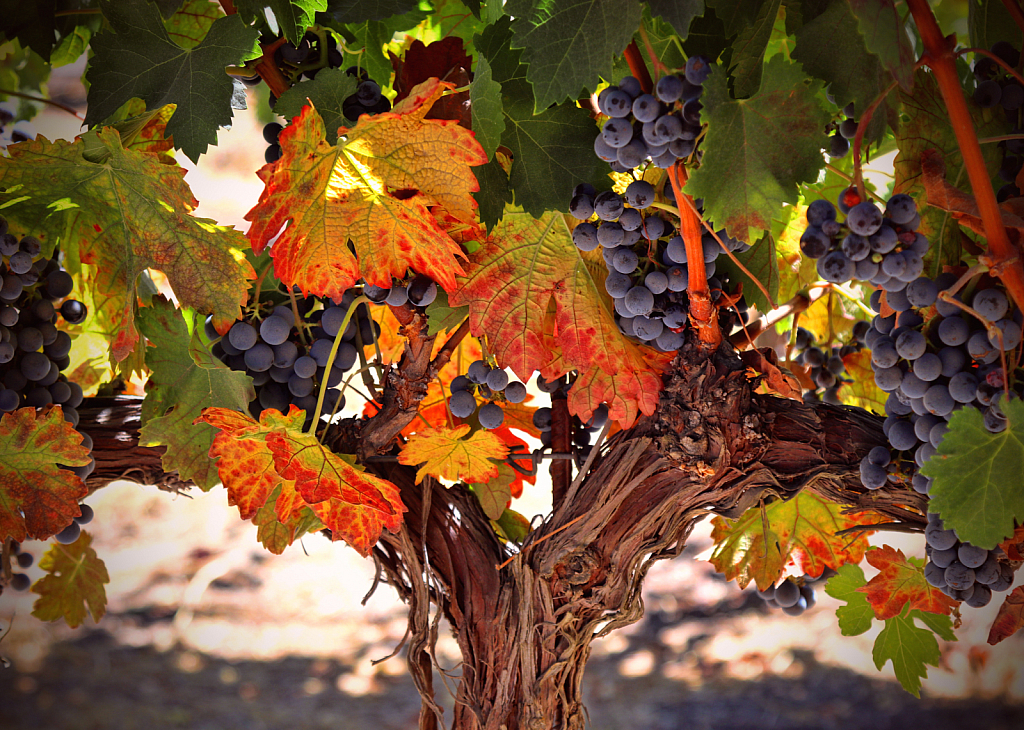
x=330, y=360
x=858, y=139
x=41, y=100
x=269, y=71
x=638, y=68
x=849, y=178
x=939, y=57
x=1007, y=67
x=659, y=67
x=800, y=302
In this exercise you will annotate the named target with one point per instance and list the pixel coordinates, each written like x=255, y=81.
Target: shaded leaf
x=495, y=494
x=976, y=476
x=357, y=11
x=137, y=58
x=446, y=454
x=373, y=188
x=292, y=16
x=762, y=261
x=73, y=584
x=856, y=616
x=764, y=360
x=488, y=117
x=901, y=582
x=677, y=12
x=513, y=526
x=749, y=48
x=189, y=25
x=880, y=23
x=1010, y=618
x=442, y=316
x=37, y=498
x=327, y=93
x=276, y=535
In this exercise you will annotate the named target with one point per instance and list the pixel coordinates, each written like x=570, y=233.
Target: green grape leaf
x=137, y=58
x=276, y=535
x=677, y=12
x=167, y=7
x=358, y=11
x=570, y=44
x=185, y=378
x=494, y=44
x=856, y=616
x=443, y=316
x=71, y=46
x=551, y=151
x=73, y=584
x=485, y=100
x=494, y=193
x=707, y=37
x=990, y=22
x=293, y=16
x=749, y=48
x=909, y=647
x=662, y=40
x=737, y=15
x=885, y=36
x=761, y=261
x=189, y=25
x=976, y=476
x=327, y=92
x=372, y=35
x=832, y=49
x=758, y=150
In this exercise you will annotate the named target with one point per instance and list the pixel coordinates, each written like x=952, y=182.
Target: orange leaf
x=256, y=458
x=764, y=361
x=374, y=188
x=801, y=532
x=445, y=454
x=38, y=499
x=1010, y=618
x=900, y=582
x=1014, y=546
x=523, y=266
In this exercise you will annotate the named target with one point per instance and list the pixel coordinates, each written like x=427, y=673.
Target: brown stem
x=858, y=138
x=561, y=443
x=638, y=68
x=51, y=102
x=448, y=348
x=940, y=58
x=269, y=71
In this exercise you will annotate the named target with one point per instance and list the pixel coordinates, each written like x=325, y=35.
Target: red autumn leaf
x=900, y=582
x=1014, y=546
x=764, y=361
x=527, y=264
x=445, y=453
x=38, y=499
x=801, y=533
x=373, y=188
x=1010, y=618
x=445, y=59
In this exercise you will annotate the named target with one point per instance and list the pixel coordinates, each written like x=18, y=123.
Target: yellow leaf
x=445, y=454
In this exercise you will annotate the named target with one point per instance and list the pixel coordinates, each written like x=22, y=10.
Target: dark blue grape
x=462, y=404
x=491, y=416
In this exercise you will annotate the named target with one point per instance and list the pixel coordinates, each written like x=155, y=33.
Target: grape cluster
x=842, y=132
x=997, y=88
x=420, y=291
x=962, y=571
x=794, y=595
x=24, y=560
x=885, y=250
x=581, y=432
x=490, y=383
x=827, y=369
x=33, y=352
x=287, y=357
x=661, y=127
x=646, y=260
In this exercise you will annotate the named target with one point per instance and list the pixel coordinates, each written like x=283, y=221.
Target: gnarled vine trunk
x=525, y=629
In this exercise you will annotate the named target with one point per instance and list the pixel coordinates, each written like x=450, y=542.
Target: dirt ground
x=204, y=631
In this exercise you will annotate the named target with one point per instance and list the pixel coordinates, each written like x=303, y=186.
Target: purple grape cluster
x=843, y=132
x=420, y=292
x=962, y=571
x=24, y=560
x=794, y=595
x=884, y=249
x=488, y=382
x=287, y=357
x=34, y=292
x=661, y=127
x=827, y=369
x=645, y=258
x=581, y=432
x=994, y=89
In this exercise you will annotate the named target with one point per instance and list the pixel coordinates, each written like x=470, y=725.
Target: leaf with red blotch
x=1014, y=546
x=528, y=263
x=1010, y=618
x=73, y=584
x=276, y=533
x=37, y=498
x=901, y=581
x=255, y=459
x=124, y=215
x=445, y=453
x=800, y=532
x=374, y=188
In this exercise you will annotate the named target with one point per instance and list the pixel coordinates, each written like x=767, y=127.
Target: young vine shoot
x=633, y=245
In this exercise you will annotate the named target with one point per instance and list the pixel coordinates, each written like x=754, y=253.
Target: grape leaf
x=494, y=495
x=569, y=44
x=137, y=58
x=373, y=188
x=354, y=505
x=373, y=35
x=736, y=15
x=357, y=11
x=442, y=316
x=445, y=453
x=757, y=150
x=760, y=260
x=748, y=49
x=863, y=392
x=73, y=584
x=273, y=533
x=485, y=100
x=1014, y=546
x=125, y=215
x=292, y=16
x=189, y=25
x=908, y=647
x=880, y=23
x=185, y=378
x=33, y=24
x=1010, y=618
x=327, y=93
x=525, y=264
x=677, y=12
x=976, y=476
x=900, y=582
x=856, y=616
x=801, y=532
x=38, y=499
x=494, y=193
x=989, y=22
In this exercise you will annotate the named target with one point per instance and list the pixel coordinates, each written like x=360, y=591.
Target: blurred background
x=206, y=630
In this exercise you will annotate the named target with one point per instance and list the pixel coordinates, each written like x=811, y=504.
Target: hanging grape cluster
x=995, y=88
x=794, y=595
x=827, y=369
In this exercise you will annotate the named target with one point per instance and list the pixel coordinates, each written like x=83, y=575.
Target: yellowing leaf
x=73, y=584
x=801, y=532
x=446, y=454
x=38, y=499
x=375, y=188
x=274, y=457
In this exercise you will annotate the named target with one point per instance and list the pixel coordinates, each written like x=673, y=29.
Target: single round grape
x=30, y=339
x=542, y=418
x=9, y=400
x=864, y=219
x=585, y=237
x=922, y=292
x=982, y=594
x=491, y=415
x=462, y=404
x=515, y=392
x=668, y=127
x=320, y=351
x=85, y=518
x=901, y=208
x=836, y=267
x=460, y=382
x=275, y=330
x=939, y=538
x=656, y=281
x=608, y=205
x=617, y=133
x=376, y=294
x=647, y=329
x=73, y=311
x=669, y=88
x=1010, y=331
x=938, y=401
x=928, y=367
x=787, y=593
x=242, y=336
x=879, y=455
x=639, y=301
x=59, y=284
x=69, y=534
x=971, y=556
x=646, y=108
x=300, y=387
x=35, y=366
x=497, y=379
x=653, y=227
x=963, y=387
x=935, y=575
x=959, y=576
x=988, y=572
x=921, y=483
x=625, y=260
x=954, y=330
x=581, y=207
x=610, y=234
x=872, y=476
x=398, y=296
x=911, y=344
x=305, y=367
x=884, y=354
x=618, y=285
x=639, y=194
x=478, y=371
x=285, y=354
x=820, y=211
x=603, y=150
x=259, y=357
x=902, y=436
x=697, y=70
